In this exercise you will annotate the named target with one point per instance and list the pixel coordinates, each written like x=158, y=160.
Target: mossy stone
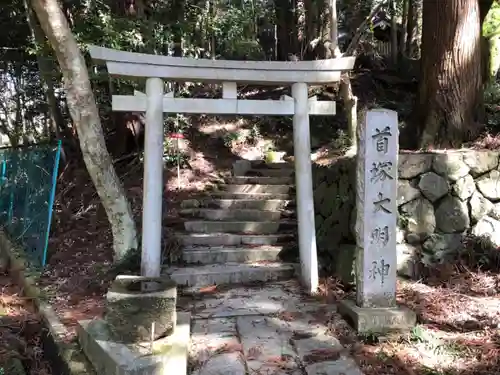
x=134, y=315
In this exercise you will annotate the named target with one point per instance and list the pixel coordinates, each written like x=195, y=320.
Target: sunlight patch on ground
x=218, y=128
x=457, y=328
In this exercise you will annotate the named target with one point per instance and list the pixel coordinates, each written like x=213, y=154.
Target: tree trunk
x=394, y=34
x=404, y=23
x=334, y=28
x=450, y=92
x=414, y=28
x=484, y=8
x=178, y=16
x=286, y=29
x=83, y=110
x=46, y=69
x=410, y=26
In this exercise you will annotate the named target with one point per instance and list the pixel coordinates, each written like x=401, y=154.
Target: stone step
x=256, y=189
x=229, y=239
x=248, y=196
x=270, y=172
x=240, y=227
x=238, y=204
x=236, y=214
x=230, y=273
x=226, y=254
x=261, y=164
x=249, y=204
x=240, y=180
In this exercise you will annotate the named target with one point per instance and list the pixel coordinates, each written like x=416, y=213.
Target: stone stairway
x=240, y=232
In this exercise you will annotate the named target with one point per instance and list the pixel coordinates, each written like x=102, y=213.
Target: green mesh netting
x=27, y=191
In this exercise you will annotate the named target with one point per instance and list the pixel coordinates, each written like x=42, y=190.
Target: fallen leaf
x=321, y=355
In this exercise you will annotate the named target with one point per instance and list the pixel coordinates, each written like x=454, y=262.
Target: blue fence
x=27, y=192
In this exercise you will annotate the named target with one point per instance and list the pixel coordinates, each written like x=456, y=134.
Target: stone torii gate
x=155, y=69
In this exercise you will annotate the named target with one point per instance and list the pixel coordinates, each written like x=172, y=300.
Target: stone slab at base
x=377, y=320
x=170, y=354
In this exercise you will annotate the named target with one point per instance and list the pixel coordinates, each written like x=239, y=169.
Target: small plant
x=231, y=137
x=341, y=140
x=254, y=135
x=369, y=338
x=417, y=335
x=171, y=158
x=480, y=252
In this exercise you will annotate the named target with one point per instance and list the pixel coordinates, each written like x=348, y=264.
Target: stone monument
x=375, y=309
x=141, y=332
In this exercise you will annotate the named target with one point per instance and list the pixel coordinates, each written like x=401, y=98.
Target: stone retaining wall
x=442, y=196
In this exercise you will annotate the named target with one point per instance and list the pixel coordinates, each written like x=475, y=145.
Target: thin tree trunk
x=402, y=40
x=56, y=118
x=334, y=28
x=394, y=34
x=410, y=28
x=83, y=110
x=484, y=8
x=450, y=89
x=178, y=10
x=417, y=35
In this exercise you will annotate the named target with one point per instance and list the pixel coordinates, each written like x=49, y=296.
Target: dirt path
x=20, y=333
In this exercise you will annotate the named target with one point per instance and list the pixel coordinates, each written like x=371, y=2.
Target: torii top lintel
x=132, y=64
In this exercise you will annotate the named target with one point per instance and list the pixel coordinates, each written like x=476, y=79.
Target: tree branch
x=361, y=29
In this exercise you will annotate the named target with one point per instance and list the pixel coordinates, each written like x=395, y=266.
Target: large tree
x=85, y=116
x=449, y=107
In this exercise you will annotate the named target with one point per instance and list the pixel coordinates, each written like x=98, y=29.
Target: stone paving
x=264, y=330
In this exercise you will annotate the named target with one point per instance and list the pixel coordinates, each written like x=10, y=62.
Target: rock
x=495, y=211
x=344, y=262
x=479, y=206
x=411, y=165
x=318, y=221
x=131, y=312
x=451, y=165
x=329, y=203
x=452, y=215
x=433, y=186
x=400, y=235
x=480, y=162
x=320, y=193
x=443, y=245
x=408, y=258
x=4, y=267
x=315, y=142
x=419, y=214
x=406, y=192
x=427, y=259
x=464, y=187
x=241, y=167
x=489, y=228
x=489, y=185
x=413, y=239
x=190, y=203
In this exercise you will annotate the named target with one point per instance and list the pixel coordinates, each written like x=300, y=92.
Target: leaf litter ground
x=458, y=310
x=20, y=332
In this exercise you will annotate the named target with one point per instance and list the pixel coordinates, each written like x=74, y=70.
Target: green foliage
x=481, y=253
x=231, y=137
x=491, y=24
x=234, y=29
x=491, y=102
x=172, y=156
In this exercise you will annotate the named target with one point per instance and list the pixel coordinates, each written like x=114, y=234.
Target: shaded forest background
x=434, y=62
x=34, y=108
